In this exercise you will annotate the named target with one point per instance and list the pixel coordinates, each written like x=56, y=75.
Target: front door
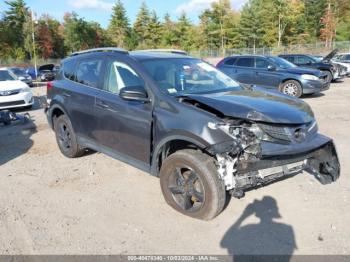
x=263, y=76
x=124, y=127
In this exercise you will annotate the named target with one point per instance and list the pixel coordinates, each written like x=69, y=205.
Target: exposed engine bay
x=245, y=162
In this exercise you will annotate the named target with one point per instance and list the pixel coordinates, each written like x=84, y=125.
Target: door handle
x=66, y=95
x=102, y=105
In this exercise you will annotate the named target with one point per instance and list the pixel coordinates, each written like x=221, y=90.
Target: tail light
x=49, y=86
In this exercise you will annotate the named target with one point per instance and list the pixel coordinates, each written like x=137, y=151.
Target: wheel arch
x=291, y=79
x=55, y=111
x=170, y=145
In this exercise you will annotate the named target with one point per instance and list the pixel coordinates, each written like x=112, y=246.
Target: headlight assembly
x=25, y=90
x=309, y=77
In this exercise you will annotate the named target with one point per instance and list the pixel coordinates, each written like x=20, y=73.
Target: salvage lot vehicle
x=22, y=75
x=274, y=73
x=44, y=73
x=325, y=65
x=13, y=92
x=201, y=137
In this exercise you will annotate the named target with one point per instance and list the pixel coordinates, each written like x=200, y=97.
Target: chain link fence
x=319, y=48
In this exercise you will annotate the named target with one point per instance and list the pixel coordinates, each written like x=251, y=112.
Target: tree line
x=260, y=23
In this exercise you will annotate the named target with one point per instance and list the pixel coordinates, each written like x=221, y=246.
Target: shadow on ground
x=268, y=237
x=15, y=139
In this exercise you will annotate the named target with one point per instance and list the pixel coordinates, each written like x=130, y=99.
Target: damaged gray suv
x=181, y=119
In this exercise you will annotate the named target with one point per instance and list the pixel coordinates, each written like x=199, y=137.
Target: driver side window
x=303, y=60
x=121, y=75
x=261, y=63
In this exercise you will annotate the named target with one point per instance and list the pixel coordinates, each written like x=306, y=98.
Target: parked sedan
x=22, y=75
x=274, y=73
x=343, y=60
x=13, y=92
x=325, y=65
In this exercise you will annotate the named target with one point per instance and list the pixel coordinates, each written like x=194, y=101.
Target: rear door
x=228, y=67
x=244, y=73
x=123, y=127
x=264, y=77
x=82, y=81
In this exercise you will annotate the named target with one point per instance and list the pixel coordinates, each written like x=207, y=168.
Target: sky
x=100, y=10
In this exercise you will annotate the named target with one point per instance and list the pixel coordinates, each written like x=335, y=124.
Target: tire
x=329, y=76
x=66, y=138
x=205, y=195
x=291, y=88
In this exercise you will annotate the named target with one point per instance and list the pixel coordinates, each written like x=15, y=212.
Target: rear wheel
x=191, y=185
x=66, y=139
x=292, y=88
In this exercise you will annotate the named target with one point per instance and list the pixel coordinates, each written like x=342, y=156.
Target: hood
x=258, y=105
x=302, y=71
x=12, y=85
x=48, y=67
x=330, y=56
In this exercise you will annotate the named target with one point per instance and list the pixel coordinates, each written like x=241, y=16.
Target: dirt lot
x=97, y=205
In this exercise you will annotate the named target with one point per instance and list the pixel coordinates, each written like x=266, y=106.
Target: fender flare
x=197, y=141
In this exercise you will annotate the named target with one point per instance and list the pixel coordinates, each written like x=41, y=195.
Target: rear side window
x=289, y=58
x=69, y=70
x=246, y=62
x=88, y=72
x=231, y=61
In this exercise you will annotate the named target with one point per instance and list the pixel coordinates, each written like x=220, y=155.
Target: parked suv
x=331, y=70
x=275, y=73
x=181, y=119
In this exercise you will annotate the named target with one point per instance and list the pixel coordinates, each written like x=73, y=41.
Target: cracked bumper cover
x=317, y=156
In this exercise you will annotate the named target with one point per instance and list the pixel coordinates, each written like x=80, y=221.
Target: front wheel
x=191, y=185
x=291, y=88
x=329, y=75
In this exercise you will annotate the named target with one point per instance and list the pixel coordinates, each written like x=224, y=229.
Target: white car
x=13, y=92
x=344, y=60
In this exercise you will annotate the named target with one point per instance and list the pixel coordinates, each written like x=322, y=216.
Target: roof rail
x=103, y=49
x=173, y=51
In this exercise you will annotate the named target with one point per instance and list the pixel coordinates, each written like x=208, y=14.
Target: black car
x=43, y=73
x=274, y=73
x=325, y=65
x=22, y=75
x=203, y=135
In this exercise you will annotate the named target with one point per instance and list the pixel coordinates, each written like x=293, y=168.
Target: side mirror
x=271, y=68
x=134, y=93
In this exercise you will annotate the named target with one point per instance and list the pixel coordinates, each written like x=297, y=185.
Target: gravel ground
x=98, y=205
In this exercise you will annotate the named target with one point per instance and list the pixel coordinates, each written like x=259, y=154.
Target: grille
x=277, y=132
x=10, y=92
x=14, y=103
x=290, y=134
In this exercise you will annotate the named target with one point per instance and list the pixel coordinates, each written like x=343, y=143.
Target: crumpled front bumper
x=317, y=156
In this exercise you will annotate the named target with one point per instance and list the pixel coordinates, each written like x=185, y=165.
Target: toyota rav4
x=179, y=118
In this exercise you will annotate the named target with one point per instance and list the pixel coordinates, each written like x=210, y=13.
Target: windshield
x=318, y=58
x=282, y=63
x=6, y=76
x=179, y=76
x=18, y=71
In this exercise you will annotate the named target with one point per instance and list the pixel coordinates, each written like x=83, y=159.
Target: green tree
x=14, y=19
x=154, y=31
x=250, y=25
x=119, y=27
x=141, y=24
x=220, y=23
x=169, y=34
